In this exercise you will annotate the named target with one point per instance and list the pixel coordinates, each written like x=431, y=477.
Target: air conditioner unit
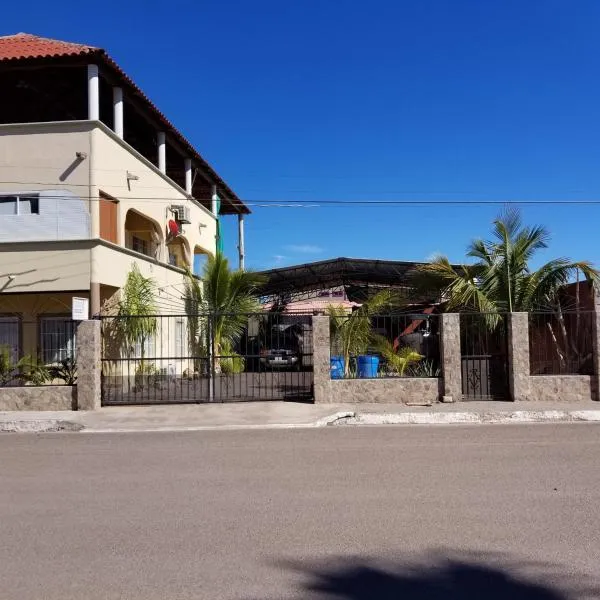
x=182, y=213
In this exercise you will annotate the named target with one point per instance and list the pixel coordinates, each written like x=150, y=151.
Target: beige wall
x=44, y=266
x=42, y=156
x=151, y=194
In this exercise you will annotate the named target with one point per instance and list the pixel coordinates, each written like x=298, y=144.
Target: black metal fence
x=206, y=358
x=561, y=343
x=37, y=352
x=484, y=356
x=392, y=345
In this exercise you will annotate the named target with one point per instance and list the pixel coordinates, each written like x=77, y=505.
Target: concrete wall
x=38, y=398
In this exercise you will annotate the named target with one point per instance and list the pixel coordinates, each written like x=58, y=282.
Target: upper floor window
x=27, y=204
x=140, y=245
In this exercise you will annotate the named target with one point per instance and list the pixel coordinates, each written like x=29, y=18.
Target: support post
x=241, y=242
x=162, y=151
x=187, y=164
x=321, y=359
x=93, y=93
x=518, y=356
x=89, y=365
x=215, y=199
x=596, y=344
x=118, y=111
x=451, y=357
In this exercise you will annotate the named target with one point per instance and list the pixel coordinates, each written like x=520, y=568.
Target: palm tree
x=352, y=333
x=223, y=299
x=501, y=279
x=136, y=320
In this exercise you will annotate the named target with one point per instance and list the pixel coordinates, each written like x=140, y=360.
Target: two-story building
x=93, y=178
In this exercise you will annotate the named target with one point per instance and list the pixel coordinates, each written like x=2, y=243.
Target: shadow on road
x=440, y=577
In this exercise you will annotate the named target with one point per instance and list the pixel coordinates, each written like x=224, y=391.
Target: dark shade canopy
x=357, y=276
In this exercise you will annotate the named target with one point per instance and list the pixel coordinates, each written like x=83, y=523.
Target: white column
x=93, y=93
x=214, y=200
x=118, y=110
x=241, y=245
x=162, y=151
x=187, y=163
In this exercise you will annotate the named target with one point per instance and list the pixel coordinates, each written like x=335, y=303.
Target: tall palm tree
x=225, y=296
x=501, y=279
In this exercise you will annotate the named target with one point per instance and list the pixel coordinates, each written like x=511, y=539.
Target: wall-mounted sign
x=80, y=309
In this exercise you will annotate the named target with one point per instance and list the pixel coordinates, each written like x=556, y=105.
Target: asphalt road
x=486, y=512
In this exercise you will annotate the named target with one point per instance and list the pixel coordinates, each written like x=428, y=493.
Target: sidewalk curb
x=449, y=418
x=38, y=426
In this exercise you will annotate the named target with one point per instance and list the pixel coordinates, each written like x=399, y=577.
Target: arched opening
x=142, y=234
x=179, y=252
x=200, y=257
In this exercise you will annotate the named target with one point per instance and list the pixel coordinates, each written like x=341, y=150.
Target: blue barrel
x=337, y=367
x=367, y=366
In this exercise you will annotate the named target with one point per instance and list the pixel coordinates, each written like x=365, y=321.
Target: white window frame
x=18, y=197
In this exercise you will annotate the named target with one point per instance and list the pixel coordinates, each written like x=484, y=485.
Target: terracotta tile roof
x=25, y=46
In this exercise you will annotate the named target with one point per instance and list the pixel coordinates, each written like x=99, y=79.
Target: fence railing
x=206, y=357
x=392, y=345
x=40, y=352
x=561, y=343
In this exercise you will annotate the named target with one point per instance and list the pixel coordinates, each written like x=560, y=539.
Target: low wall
x=392, y=390
x=47, y=397
x=562, y=388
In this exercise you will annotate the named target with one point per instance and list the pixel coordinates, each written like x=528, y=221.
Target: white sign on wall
x=80, y=309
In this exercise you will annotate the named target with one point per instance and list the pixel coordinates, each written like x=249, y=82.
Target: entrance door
x=484, y=352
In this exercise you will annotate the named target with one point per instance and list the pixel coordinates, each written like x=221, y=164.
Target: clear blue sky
x=382, y=100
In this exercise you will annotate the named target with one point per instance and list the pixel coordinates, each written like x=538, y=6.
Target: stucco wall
x=44, y=266
x=38, y=398
x=561, y=388
x=151, y=194
x=393, y=390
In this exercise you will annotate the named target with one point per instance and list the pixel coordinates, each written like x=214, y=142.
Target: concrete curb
x=38, y=426
x=436, y=418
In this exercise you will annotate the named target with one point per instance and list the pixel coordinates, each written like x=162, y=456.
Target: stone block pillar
x=596, y=345
x=321, y=358
x=89, y=365
x=518, y=356
x=450, y=355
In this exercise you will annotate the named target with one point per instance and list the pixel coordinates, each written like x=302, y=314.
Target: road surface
x=482, y=512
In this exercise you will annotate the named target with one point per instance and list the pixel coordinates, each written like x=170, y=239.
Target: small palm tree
x=397, y=359
x=136, y=320
x=224, y=296
x=352, y=333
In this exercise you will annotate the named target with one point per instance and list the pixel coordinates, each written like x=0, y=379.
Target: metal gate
x=484, y=357
x=168, y=359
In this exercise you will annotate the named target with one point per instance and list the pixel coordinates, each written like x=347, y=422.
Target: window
x=28, y=204
x=172, y=259
x=140, y=245
x=57, y=339
x=10, y=336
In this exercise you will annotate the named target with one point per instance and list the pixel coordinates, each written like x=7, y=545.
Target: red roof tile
x=25, y=45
